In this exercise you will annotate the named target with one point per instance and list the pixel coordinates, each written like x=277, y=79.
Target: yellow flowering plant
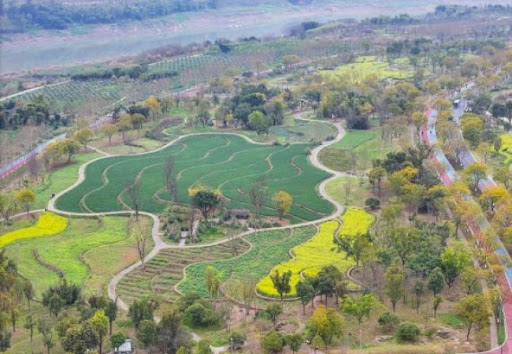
x=319, y=251
x=47, y=224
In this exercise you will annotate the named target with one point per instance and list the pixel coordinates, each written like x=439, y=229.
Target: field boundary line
x=159, y=244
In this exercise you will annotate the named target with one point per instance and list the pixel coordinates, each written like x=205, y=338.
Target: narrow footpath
x=159, y=244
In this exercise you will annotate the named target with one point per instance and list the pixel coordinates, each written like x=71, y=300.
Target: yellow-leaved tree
x=25, y=197
x=284, y=202
x=153, y=104
x=83, y=136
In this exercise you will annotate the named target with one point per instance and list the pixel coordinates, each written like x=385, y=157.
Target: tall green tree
x=146, y=333
x=395, y=278
x=117, y=339
x=359, y=308
x=454, y=259
x=305, y=292
x=436, y=281
x=206, y=201
x=25, y=197
x=273, y=311
x=141, y=310
x=99, y=323
x=281, y=282
x=111, y=312
x=273, y=342
x=294, y=341
x=474, y=311
x=213, y=281
x=327, y=323
x=259, y=122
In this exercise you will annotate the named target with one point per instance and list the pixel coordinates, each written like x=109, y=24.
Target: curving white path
x=159, y=244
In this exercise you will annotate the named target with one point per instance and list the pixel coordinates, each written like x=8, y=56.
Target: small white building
x=126, y=348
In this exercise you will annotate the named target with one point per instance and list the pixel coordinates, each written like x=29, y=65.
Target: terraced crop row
x=311, y=256
x=269, y=248
x=166, y=270
x=364, y=67
x=224, y=161
x=75, y=92
x=190, y=70
x=506, y=147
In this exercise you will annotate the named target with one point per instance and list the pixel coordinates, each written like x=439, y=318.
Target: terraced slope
x=164, y=271
x=90, y=251
x=228, y=162
x=269, y=249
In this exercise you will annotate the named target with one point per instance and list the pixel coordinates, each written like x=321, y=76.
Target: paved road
x=448, y=175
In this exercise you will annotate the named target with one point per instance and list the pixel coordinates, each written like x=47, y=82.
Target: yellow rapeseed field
x=319, y=251
x=355, y=221
x=47, y=224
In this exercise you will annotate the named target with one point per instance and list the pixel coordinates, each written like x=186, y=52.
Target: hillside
x=71, y=35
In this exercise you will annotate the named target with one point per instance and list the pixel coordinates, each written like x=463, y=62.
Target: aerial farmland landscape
x=286, y=176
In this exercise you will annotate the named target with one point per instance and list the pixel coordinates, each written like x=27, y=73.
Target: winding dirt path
x=159, y=244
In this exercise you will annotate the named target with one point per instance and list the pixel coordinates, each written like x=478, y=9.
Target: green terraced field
x=60, y=179
x=225, y=161
x=166, y=270
x=269, y=249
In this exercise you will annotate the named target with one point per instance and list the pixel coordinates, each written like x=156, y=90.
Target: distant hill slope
x=85, y=31
x=27, y=15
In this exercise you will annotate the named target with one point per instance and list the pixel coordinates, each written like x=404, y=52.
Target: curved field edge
x=47, y=224
x=61, y=178
x=320, y=251
x=164, y=271
x=101, y=188
x=88, y=253
x=268, y=249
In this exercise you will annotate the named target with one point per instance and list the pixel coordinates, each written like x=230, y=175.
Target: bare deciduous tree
x=259, y=195
x=171, y=182
x=133, y=191
x=191, y=223
x=348, y=190
x=34, y=167
x=142, y=242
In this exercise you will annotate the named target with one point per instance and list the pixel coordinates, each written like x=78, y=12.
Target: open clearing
x=356, y=147
x=227, y=162
x=363, y=67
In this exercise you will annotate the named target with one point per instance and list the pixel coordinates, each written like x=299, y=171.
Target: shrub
x=187, y=300
x=273, y=342
x=429, y=333
x=408, y=332
x=199, y=315
x=203, y=347
x=388, y=322
x=372, y=203
x=236, y=340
